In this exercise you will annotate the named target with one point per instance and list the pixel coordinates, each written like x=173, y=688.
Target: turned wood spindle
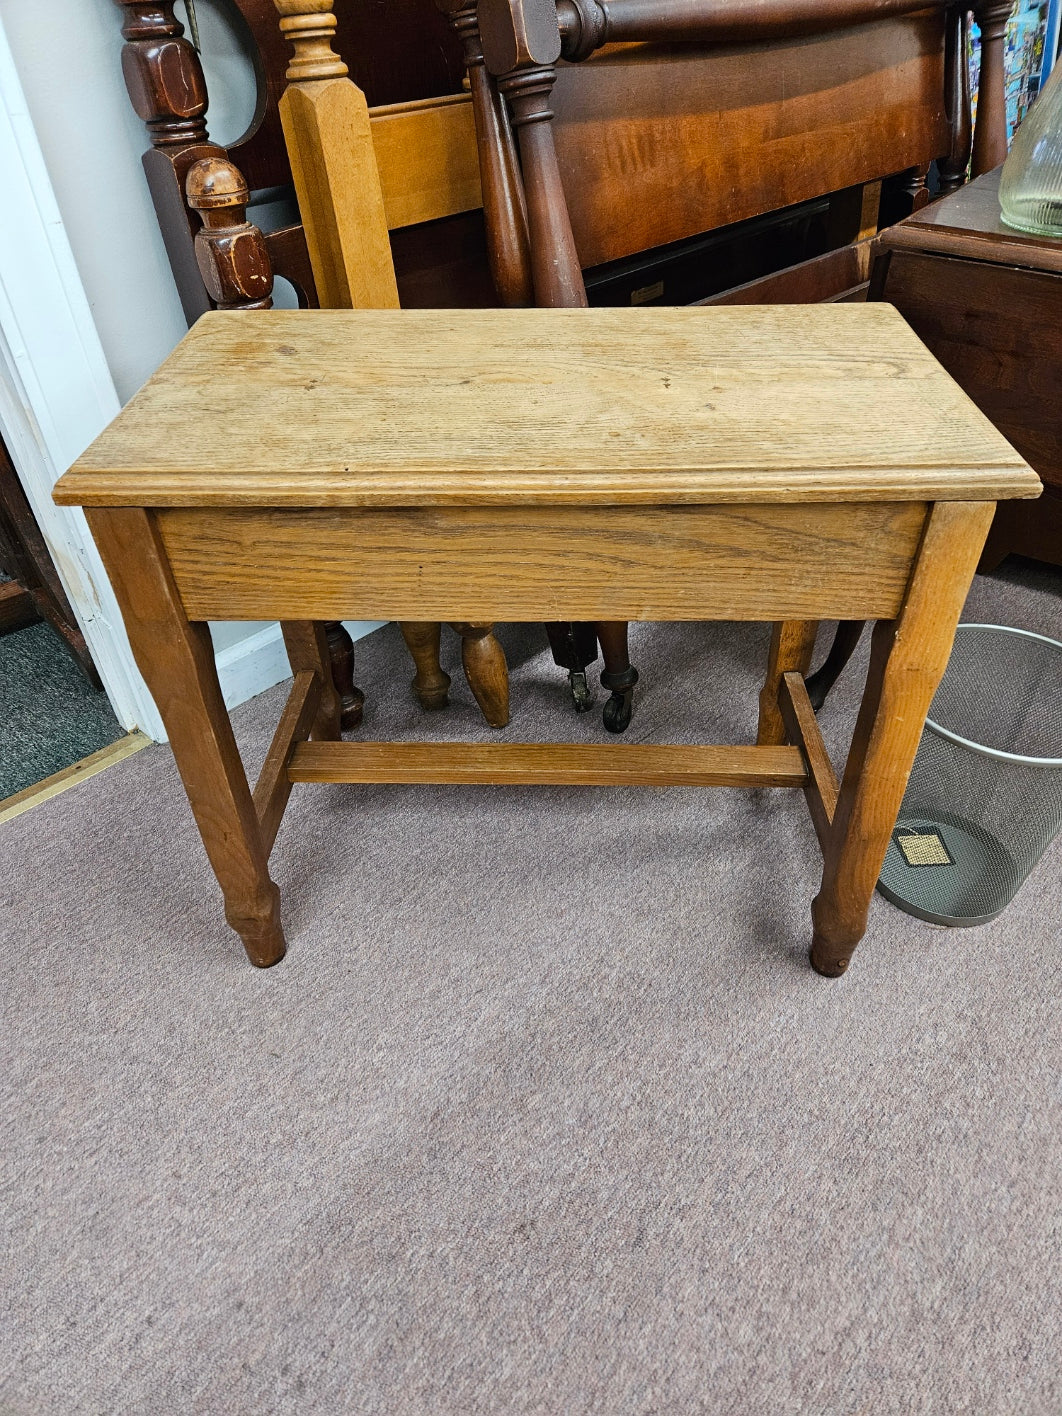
x=555, y=268
x=163, y=74
x=431, y=683
x=504, y=207
x=583, y=27
x=521, y=44
x=486, y=670
x=916, y=188
x=990, y=128
x=955, y=165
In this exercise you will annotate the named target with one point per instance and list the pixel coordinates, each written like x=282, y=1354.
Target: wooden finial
x=230, y=250
x=310, y=26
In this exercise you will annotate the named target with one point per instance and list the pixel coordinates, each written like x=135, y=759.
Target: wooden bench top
x=607, y=406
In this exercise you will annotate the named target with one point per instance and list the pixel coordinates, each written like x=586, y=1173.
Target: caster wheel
x=582, y=693
x=618, y=710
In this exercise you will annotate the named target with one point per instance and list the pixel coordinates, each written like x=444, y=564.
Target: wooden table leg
x=431, y=683
x=307, y=646
x=908, y=658
x=792, y=645
x=176, y=658
x=483, y=660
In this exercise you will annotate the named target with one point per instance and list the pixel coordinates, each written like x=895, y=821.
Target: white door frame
x=56, y=391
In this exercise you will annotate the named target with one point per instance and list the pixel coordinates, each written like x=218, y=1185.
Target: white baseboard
x=258, y=662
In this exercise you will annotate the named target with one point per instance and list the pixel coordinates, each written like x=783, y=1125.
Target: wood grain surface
x=410, y=407
x=516, y=563
x=548, y=764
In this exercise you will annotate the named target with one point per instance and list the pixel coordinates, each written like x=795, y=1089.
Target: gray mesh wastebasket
x=984, y=800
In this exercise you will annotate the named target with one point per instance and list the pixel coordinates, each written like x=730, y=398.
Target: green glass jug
x=1030, y=189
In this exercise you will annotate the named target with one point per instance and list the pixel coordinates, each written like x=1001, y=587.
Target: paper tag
x=923, y=848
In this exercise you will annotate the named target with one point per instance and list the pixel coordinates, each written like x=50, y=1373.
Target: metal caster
x=620, y=706
x=617, y=712
x=582, y=693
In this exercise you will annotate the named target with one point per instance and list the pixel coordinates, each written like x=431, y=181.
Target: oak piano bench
x=746, y=463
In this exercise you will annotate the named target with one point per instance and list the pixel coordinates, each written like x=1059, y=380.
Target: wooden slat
x=821, y=787
x=823, y=277
x=274, y=784
x=426, y=155
x=545, y=563
x=547, y=764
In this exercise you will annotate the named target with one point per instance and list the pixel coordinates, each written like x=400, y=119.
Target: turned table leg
x=792, y=645
x=908, y=658
x=483, y=660
x=307, y=646
x=431, y=683
x=176, y=658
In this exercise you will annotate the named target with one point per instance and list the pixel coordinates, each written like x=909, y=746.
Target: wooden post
x=166, y=87
x=792, y=645
x=333, y=163
x=954, y=166
x=990, y=129
x=555, y=268
x=504, y=206
x=231, y=251
x=521, y=44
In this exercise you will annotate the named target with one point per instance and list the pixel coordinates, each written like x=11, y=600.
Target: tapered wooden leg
x=792, y=645
x=177, y=660
x=483, y=660
x=341, y=657
x=430, y=684
x=307, y=646
x=617, y=676
x=908, y=658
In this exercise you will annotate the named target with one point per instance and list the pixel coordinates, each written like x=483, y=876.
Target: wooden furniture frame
x=356, y=481
x=618, y=102
x=395, y=168
x=630, y=114
x=987, y=300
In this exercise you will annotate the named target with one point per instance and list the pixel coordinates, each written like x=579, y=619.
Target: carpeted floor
x=544, y=1111
x=50, y=715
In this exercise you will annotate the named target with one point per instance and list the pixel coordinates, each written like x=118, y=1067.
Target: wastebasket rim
x=981, y=747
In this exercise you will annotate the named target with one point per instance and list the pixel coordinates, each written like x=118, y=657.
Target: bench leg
x=176, y=658
x=792, y=645
x=908, y=658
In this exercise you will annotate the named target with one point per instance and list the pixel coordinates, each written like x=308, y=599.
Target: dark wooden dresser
x=987, y=301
